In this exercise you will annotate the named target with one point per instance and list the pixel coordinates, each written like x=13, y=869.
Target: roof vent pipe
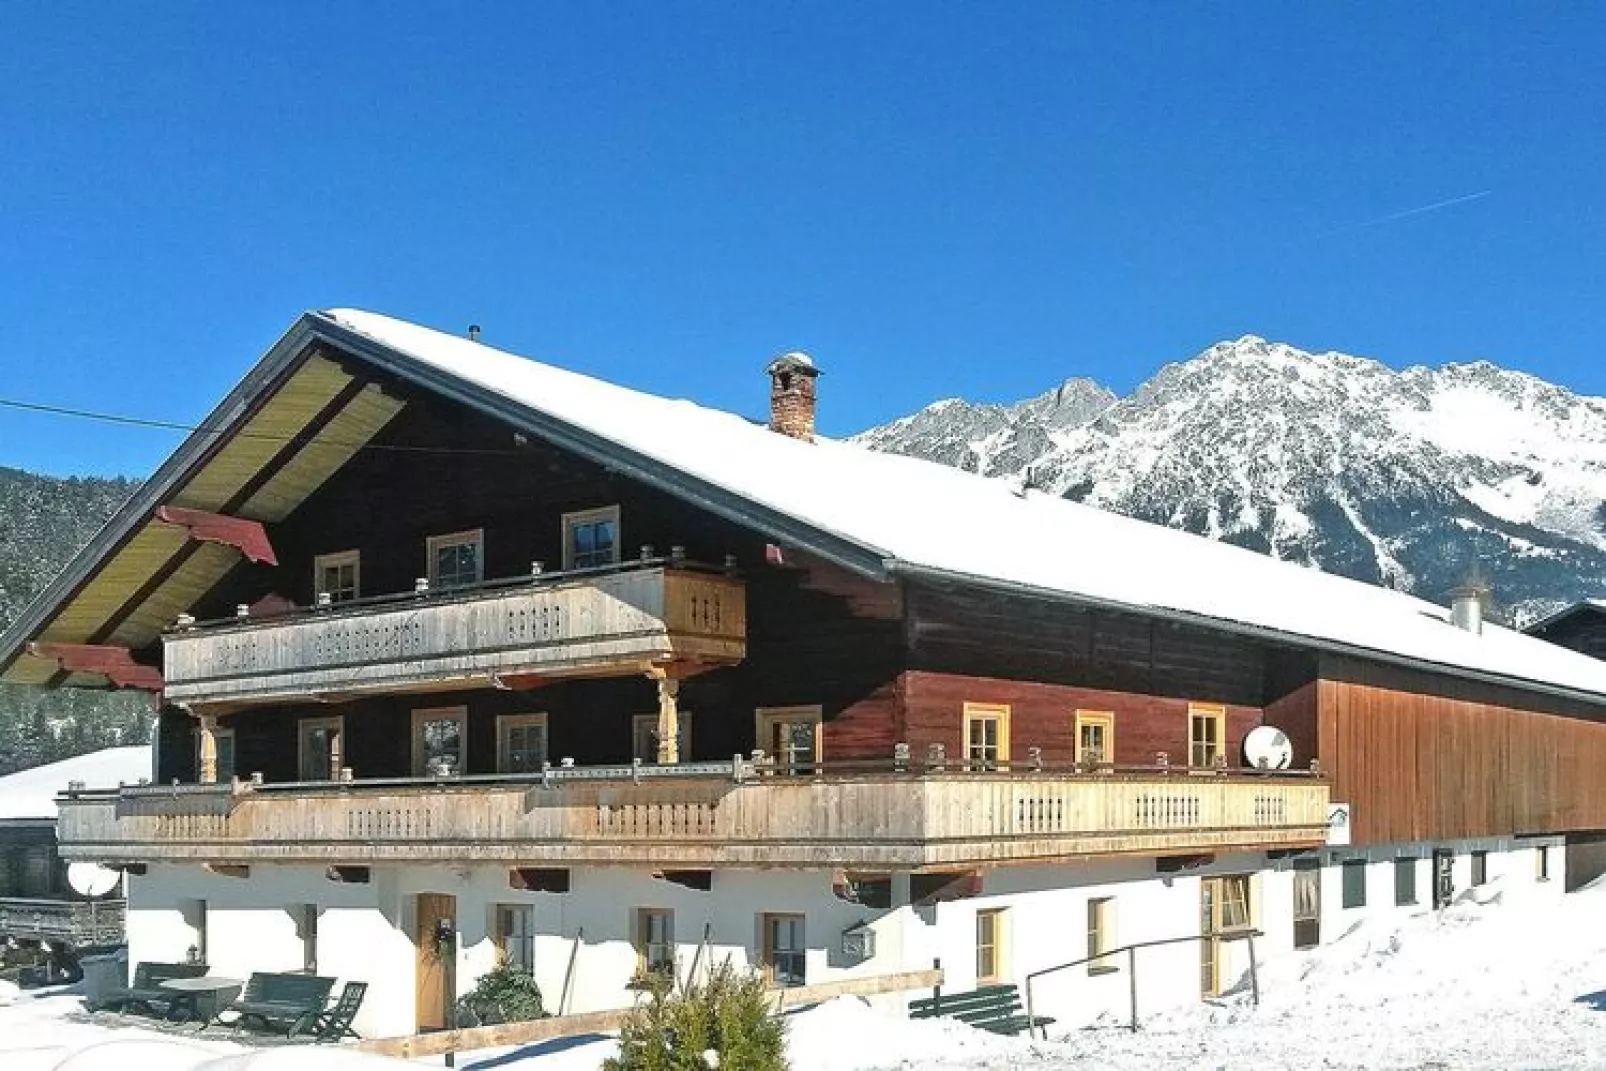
x=473, y=332
x=1467, y=605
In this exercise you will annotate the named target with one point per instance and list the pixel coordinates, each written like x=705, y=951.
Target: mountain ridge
x=1412, y=477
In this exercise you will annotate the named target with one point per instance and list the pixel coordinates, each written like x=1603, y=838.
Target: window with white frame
x=655, y=941
x=521, y=743
x=591, y=538
x=339, y=576
x=456, y=560
x=440, y=740
x=515, y=936
x=791, y=736
x=644, y=736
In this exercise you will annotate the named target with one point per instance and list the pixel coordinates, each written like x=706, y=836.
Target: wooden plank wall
x=1423, y=759
x=1043, y=715
x=984, y=633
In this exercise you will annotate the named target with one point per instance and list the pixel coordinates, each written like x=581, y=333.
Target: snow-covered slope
x=1407, y=478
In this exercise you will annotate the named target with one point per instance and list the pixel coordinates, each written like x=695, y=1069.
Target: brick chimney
x=792, y=378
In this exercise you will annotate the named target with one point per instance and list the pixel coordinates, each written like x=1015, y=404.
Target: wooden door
x=436, y=940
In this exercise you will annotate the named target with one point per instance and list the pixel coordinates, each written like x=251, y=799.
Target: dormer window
x=457, y=560
x=591, y=538
x=338, y=576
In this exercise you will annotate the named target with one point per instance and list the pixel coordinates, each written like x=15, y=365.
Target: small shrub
x=728, y=1015
x=504, y=994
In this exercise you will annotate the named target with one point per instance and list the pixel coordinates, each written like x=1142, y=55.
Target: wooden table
x=198, y=1000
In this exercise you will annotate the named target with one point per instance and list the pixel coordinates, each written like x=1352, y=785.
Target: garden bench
x=146, y=988
x=294, y=1002
x=995, y=1008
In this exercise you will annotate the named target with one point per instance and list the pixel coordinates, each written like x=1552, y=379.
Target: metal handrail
x=1248, y=934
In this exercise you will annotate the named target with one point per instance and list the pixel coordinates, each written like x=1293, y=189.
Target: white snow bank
x=32, y=793
x=847, y=1032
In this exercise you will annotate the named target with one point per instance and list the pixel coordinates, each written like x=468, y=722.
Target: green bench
x=291, y=1002
x=995, y=1008
x=146, y=988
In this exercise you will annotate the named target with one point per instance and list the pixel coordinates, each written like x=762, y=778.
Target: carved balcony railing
x=622, y=620
x=706, y=815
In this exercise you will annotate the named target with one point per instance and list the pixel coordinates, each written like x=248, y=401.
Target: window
x=1226, y=903
x=1095, y=737
x=644, y=736
x=224, y=739
x=338, y=576
x=1100, y=934
x=986, y=736
x=655, y=942
x=515, y=936
x=591, y=538
x=520, y=743
x=989, y=946
x=1404, y=881
x=1542, y=863
x=1480, y=868
x=320, y=753
x=792, y=736
x=1307, y=903
x=1207, y=734
x=306, y=918
x=440, y=740
x=783, y=957
x=1354, y=883
x=456, y=560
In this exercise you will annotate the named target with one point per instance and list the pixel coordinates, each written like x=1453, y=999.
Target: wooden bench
x=293, y=1002
x=995, y=1008
x=146, y=988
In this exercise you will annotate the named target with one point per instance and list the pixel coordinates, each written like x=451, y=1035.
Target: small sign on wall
x=1338, y=824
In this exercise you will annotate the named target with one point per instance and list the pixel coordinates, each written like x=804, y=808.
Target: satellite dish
x=92, y=879
x=1268, y=748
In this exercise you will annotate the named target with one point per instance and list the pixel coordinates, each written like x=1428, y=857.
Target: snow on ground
x=1491, y=982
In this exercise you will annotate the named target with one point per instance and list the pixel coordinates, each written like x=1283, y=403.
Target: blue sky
x=934, y=199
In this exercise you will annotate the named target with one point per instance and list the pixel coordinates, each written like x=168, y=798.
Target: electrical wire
x=172, y=425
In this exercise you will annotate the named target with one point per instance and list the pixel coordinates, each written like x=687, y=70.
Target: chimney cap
x=795, y=361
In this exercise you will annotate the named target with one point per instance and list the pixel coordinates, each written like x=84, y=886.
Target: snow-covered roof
x=919, y=515
x=32, y=793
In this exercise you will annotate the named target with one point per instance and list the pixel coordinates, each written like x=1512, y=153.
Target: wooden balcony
x=76, y=923
x=620, y=621
x=711, y=815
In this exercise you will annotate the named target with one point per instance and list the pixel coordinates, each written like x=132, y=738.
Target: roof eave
x=1258, y=632
x=155, y=490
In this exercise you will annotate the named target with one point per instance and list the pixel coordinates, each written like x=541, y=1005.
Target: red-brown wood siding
x=1043, y=715
x=1295, y=715
x=1416, y=766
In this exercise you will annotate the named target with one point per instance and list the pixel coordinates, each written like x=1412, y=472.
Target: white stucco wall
x=364, y=930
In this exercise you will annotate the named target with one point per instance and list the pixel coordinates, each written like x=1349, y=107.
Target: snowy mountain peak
x=1401, y=477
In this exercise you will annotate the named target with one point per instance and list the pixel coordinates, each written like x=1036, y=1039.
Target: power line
x=172, y=425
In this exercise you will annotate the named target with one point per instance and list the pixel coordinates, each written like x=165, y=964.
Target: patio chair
x=335, y=1024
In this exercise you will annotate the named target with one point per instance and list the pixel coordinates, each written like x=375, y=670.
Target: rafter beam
x=116, y=664
x=248, y=537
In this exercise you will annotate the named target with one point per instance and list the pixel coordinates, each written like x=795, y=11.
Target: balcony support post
x=208, y=747
x=668, y=717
